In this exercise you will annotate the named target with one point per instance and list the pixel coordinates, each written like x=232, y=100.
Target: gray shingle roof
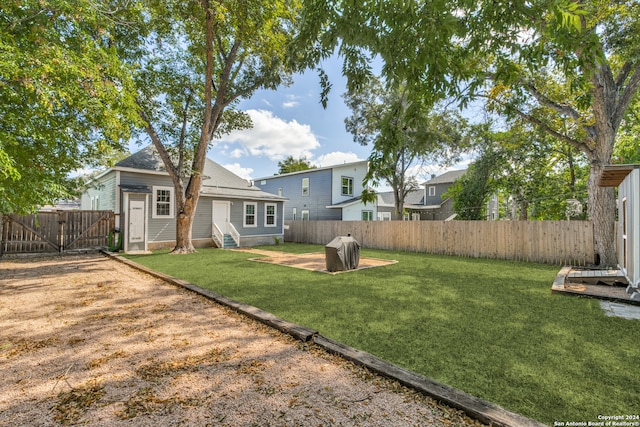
x=446, y=178
x=412, y=198
x=218, y=181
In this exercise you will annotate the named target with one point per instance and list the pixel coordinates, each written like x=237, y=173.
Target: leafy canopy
x=290, y=164
x=64, y=98
x=402, y=133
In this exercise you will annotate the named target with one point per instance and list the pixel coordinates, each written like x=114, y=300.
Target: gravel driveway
x=87, y=340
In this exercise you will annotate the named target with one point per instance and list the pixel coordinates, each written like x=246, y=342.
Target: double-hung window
x=162, y=202
x=270, y=215
x=432, y=191
x=250, y=216
x=367, y=215
x=305, y=186
x=347, y=186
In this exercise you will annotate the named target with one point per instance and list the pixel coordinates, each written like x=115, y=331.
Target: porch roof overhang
x=346, y=203
x=135, y=189
x=422, y=207
x=613, y=175
x=249, y=193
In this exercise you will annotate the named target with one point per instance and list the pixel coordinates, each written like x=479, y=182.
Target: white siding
x=357, y=171
x=629, y=190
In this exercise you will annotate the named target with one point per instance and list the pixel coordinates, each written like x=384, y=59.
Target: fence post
x=61, y=221
x=2, y=238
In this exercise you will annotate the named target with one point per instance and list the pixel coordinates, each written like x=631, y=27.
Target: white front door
x=221, y=215
x=136, y=221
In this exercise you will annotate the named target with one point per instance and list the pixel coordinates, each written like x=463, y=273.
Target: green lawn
x=491, y=328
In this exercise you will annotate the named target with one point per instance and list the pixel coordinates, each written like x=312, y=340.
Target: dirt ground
x=86, y=340
x=315, y=261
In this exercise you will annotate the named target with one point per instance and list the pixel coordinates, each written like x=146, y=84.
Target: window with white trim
x=305, y=186
x=270, y=210
x=250, y=216
x=294, y=213
x=347, y=186
x=384, y=216
x=305, y=215
x=432, y=191
x=367, y=215
x=163, y=202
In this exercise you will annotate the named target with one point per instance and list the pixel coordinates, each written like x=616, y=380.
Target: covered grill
x=342, y=254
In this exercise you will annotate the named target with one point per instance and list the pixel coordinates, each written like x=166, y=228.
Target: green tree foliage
x=527, y=49
x=572, y=68
x=627, y=149
x=195, y=60
x=472, y=190
x=533, y=174
x=290, y=164
x=63, y=97
x=401, y=135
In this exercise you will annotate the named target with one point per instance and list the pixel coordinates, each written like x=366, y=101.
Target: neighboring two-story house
x=230, y=211
x=426, y=203
x=326, y=193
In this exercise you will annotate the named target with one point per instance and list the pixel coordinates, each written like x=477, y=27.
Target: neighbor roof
x=414, y=200
x=446, y=178
x=217, y=180
x=314, y=169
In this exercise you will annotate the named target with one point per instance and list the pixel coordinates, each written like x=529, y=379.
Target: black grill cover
x=342, y=253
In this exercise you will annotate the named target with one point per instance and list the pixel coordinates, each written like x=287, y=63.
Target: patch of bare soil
x=85, y=340
x=315, y=261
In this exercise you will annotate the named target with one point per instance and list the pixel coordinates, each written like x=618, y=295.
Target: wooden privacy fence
x=553, y=242
x=55, y=231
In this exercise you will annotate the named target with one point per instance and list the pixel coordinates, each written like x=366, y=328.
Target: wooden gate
x=56, y=231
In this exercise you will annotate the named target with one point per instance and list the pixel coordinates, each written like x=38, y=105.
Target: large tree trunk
x=602, y=213
x=189, y=201
x=184, y=226
x=601, y=204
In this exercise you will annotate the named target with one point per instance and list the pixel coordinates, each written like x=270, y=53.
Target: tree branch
x=221, y=95
x=11, y=25
x=623, y=74
x=626, y=97
x=545, y=127
x=565, y=110
x=162, y=151
x=183, y=130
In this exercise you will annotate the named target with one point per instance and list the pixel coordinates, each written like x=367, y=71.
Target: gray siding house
x=424, y=204
x=231, y=212
x=327, y=193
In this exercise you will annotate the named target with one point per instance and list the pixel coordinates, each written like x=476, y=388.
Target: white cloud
x=239, y=170
x=291, y=102
x=274, y=137
x=237, y=153
x=335, y=158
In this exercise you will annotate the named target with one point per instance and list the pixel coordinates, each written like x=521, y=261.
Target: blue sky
x=292, y=121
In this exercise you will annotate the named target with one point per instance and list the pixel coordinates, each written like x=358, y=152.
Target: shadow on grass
x=489, y=327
